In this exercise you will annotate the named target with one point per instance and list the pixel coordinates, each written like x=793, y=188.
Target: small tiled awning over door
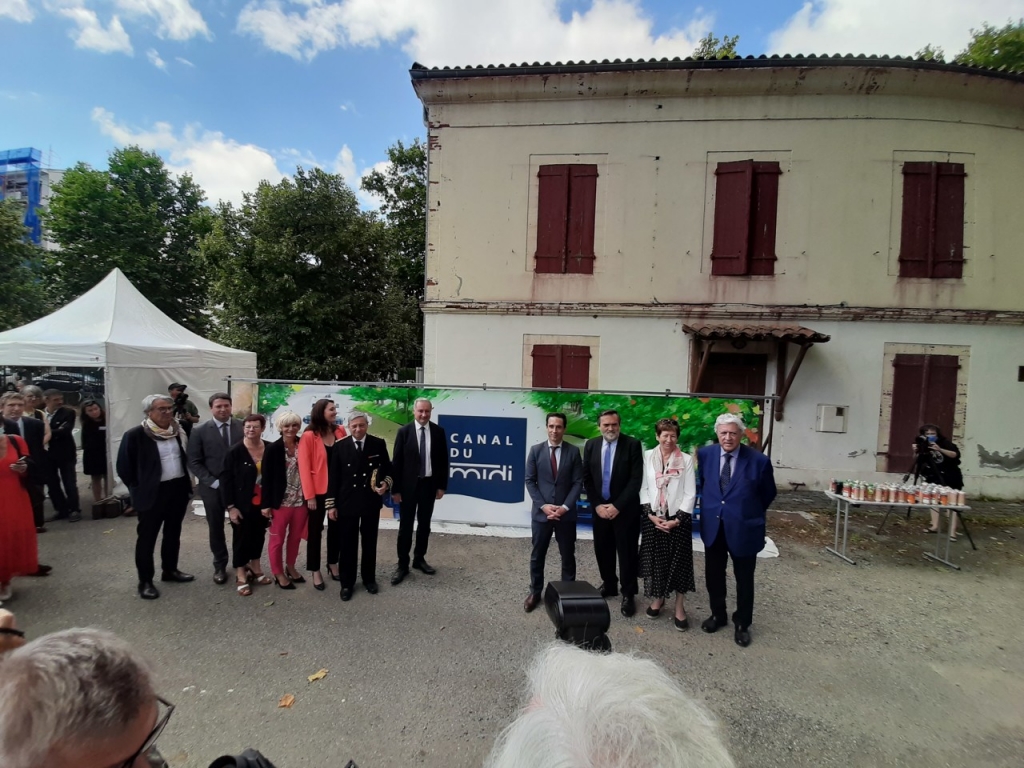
x=708, y=335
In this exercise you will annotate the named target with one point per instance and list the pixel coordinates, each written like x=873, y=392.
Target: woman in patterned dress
x=666, y=544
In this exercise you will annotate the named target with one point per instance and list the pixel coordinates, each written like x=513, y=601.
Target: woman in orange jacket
x=315, y=447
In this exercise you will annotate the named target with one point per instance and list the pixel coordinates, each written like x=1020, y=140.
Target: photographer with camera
x=185, y=411
x=937, y=461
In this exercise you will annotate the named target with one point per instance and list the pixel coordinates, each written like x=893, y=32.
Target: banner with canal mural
x=490, y=431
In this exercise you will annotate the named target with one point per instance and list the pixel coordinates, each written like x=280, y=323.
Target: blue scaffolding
x=20, y=171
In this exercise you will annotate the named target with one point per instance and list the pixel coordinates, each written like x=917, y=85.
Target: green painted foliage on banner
x=391, y=403
x=273, y=396
x=696, y=416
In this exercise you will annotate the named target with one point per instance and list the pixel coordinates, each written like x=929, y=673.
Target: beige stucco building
x=710, y=226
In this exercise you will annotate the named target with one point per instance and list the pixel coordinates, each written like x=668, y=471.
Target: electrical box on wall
x=831, y=418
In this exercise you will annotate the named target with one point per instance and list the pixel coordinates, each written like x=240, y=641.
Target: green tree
x=303, y=278
x=995, y=47
x=402, y=190
x=24, y=299
x=710, y=47
x=137, y=216
x=931, y=53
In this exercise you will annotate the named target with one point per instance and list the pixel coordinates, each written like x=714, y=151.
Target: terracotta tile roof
x=795, y=333
x=421, y=72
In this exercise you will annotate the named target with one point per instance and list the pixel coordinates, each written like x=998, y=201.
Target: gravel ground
x=894, y=661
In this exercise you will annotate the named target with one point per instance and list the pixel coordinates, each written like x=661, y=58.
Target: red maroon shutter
x=905, y=417
x=546, y=360
x=575, y=367
x=582, y=204
x=733, y=187
x=763, y=218
x=552, y=216
x=948, y=258
x=917, y=228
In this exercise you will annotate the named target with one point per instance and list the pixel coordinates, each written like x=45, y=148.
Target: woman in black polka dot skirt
x=666, y=546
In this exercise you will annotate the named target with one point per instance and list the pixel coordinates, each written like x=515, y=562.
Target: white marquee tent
x=140, y=349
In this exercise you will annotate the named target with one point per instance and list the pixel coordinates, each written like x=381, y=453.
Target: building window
x=561, y=366
x=932, y=232
x=566, y=202
x=746, y=204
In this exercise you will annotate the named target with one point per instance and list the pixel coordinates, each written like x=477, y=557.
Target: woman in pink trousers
x=283, y=501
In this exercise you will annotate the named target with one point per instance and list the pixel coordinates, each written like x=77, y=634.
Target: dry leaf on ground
x=317, y=676
x=286, y=701
x=639, y=630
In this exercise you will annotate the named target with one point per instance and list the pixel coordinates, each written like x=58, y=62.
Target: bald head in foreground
x=589, y=710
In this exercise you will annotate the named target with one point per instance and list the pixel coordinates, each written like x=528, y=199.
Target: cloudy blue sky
x=236, y=91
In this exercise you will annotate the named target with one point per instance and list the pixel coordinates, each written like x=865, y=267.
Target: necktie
x=359, y=446
x=21, y=427
x=225, y=431
x=554, y=464
x=726, y=476
x=423, y=451
x=606, y=474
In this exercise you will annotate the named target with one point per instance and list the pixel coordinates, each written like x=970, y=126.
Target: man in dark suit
x=421, y=477
x=34, y=432
x=152, y=463
x=613, y=471
x=63, y=458
x=360, y=475
x=554, y=479
x=735, y=484
x=207, y=446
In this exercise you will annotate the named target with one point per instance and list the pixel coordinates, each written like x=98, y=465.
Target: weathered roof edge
x=420, y=72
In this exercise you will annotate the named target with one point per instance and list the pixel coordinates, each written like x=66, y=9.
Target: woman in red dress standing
x=18, y=552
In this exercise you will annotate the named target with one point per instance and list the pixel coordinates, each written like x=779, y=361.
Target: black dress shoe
x=334, y=576
x=742, y=636
x=147, y=591
x=40, y=529
x=298, y=579
x=289, y=585
x=176, y=576
x=220, y=576
x=74, y=517
x=42, y=570
x=628, y=606
x=681, y=624
x=713, y=624
x=371, y=587
x=423, y=565
x=531, y=602
x=346, y=594
x=399, y=575
x=606, y=592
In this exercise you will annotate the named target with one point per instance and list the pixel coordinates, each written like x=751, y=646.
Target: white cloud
x=18, y=10
x=155, y=60
x=223, y=167
x=894, y=27
x=460, y=32
x=186, y=62
x=178, y=20
x=92, y=35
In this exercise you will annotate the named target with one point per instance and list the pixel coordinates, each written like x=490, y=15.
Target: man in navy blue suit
x=554, y=479
x=736, y=484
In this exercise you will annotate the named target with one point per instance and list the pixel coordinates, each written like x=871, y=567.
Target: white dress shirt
x=429, y=470
x=170, y=459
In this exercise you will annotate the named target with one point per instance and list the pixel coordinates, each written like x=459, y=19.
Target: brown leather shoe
x=531, y=602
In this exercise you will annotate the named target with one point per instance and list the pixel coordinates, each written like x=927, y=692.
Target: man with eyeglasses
x=81, y=697
x=152, y=463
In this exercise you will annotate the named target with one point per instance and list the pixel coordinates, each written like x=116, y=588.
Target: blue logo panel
x=487, y=457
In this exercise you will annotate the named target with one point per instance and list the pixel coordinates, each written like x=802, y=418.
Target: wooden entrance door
x=735, y=374
x=923, y=391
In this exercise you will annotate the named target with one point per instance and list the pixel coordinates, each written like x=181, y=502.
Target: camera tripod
x=920, y=462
